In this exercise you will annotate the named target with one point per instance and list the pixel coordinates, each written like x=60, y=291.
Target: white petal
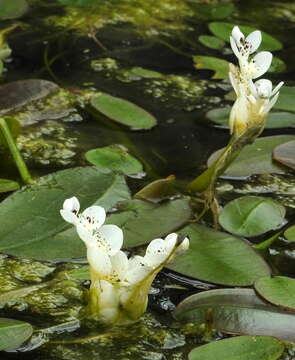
x=170, y=242
x=255, y=40
x=86, y=233
x=183, y=246
x=237, y=34
x=138, y=270
x=262, y=63
x=119, y=265
x=264, y=88
x=108, y=301
x=252, y=99
x=156, y=253
x=99, y=261
x=271, y=103
x=233, y=81
x=95, y=215
x=113, y=236
x=277, y=88
x=253, y=89
x=72, y=204
x=69, y=216
x=234, y=47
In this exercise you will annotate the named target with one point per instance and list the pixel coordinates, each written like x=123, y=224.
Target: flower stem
x=266, y=244
x=22, y=167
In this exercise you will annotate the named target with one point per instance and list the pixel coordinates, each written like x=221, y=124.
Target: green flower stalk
x=119, y=286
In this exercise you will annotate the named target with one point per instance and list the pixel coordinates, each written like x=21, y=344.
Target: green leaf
x=33, y=226
x=82, y=273
x=255, y=158
x=219, y=258
x=290, y=233
x=278, y=290
x=78, y=3
x=12, y=9
x=219, y=66
x=252, y=215
x=286, y=99
x=223, y=31
x=158, y=190
x=275, y=120
x=277, y=65
x=285, y=154
x=240, y=348
x=142, y=221
x=114, y=157
x=123, y=111
x=13, y=333
x=237, y=311
x=211, y=42
x=8, y=185
x=212, y=11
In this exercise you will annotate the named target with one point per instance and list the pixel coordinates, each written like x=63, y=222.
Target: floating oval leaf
x=8, y=185
x=13, y=333
x=82, y=273
x=223, y=31
x=158, y=190
x=142, y=221
x=290, y=233
x=219, y=66
x=275, y=120
x=277, y=65
x=255, y=158
x=123, y=111
x=278, y=290
x=286, y=99
x=211, y=42
x=114, y=157
x=237, y=311
x=219, y=258
x=240, y=348
x=33, y=225
x=12, y=9
x=285, y=154
x=252, y=215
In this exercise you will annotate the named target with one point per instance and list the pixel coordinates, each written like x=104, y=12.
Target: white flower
x=119, y=286
x=254, y=100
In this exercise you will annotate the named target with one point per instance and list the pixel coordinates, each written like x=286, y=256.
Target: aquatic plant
x=119, y=286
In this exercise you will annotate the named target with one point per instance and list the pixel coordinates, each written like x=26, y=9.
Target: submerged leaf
x=123, y=111
x=13, y=333
x=219, y=258
x=285, y=154
x=219, y=66
x=223, y=31
x=252, y=215
x=237, y=311
x=12, y=9
x=278, y=290
x=255, y=158
x=114, y=157
x=240, y=348
x=33, y=225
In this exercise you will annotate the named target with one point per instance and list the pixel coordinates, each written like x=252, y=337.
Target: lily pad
x=219, y=258
x=142, y=221
x=123, y=111
x=290, y=233
x=219, y=66
x=275, y=120
x=33, y=226
x=252, y=215
x=240, y=348
x=114, y=157
x=277, y=65
x=158, y=190
x=286, y=99
x=8, y=185
x=255, y=158
x=223, y=31
x=211, y=42
x=278, y=290
x=12, y=9
x=237, y=311
x=285, y=154
x=13, y=333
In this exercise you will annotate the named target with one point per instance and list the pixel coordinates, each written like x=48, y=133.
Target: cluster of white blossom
x=254, y=99
x=119, y=286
